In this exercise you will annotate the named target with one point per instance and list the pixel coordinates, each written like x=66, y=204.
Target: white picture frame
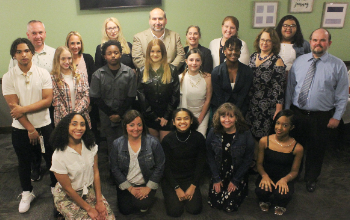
x=265, y=14
x=301, y=6
x=334, y=14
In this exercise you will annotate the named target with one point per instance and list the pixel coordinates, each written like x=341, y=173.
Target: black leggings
x=174, y=207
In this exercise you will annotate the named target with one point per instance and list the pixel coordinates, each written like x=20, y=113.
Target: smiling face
x=319, y=42
x=135, y=128
x=228, y=29
x=112, y=30
x=194, y=62
x=228, y=121
x=23, y=55
x=36, y=34
x=156, y=54
x=65, y=60
x=289, y=28
x=193, y=37
x=74, y=44
x=283, y=126
x=182, y=121
x=232, y=53
x=77, y=128
x=265, y=42
x=157, y=20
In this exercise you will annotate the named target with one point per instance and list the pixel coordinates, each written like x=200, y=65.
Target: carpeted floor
x=331, y=200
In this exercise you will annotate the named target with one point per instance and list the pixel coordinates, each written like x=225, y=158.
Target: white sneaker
x=27, y=198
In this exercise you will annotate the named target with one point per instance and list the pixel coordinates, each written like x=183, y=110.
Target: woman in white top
x=70, y=88
x=77, y=195
x=229, y=27
x=196, y=89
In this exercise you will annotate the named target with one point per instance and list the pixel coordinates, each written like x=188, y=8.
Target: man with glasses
x=171, y=39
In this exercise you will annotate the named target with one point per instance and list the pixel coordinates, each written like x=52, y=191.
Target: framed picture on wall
x=301, y=6
x=265, y=14
x=334, y=15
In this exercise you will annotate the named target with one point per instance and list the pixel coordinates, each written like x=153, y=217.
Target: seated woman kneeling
x=137, y=164
x=77, y=195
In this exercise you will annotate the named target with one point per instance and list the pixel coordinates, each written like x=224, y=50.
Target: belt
x=309, y=113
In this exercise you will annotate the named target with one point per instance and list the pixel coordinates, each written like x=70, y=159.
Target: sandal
x=280, y=210
x=264, y=206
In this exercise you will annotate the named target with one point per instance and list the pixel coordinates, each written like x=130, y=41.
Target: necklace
x=184, y=140
x=259, y=57
x=282, y=144
x=196, y=79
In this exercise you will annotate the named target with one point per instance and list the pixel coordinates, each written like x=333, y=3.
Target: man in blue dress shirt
x=317, y=91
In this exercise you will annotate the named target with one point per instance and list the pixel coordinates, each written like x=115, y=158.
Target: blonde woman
x=70, y=88
x=158, y=92
x=112, y=30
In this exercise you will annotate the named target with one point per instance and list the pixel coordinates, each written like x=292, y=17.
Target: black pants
x=279, y=199
x=24, y=150
x=128, y=204
x=174, y=207
x=312, y=133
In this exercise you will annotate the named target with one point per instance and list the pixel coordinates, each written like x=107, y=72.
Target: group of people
x=165, y=110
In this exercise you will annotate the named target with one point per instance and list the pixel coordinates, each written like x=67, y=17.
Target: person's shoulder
x=87, y=56
x=298, y=148
x=143, y=33
x=334, y=59
x=151, y=139
x=169, y=137
x=198, y=135
x=40, y=70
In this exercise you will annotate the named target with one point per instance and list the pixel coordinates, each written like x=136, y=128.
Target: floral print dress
x=269, y=84
x=228, y=201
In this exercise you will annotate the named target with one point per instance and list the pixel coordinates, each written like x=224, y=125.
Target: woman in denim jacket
x=230, y=151
x=137, y=164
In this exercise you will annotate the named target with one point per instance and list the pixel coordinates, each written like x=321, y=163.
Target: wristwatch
x=176, y=187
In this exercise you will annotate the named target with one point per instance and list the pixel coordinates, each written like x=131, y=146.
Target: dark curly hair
x=60, y=136
x=110, y=43
x=129, y=117
x=195, y=123
x=286, y=112
x=15, y=43
x=276, y=44
x=229, y=109
x=298, y=38
x=233, y=41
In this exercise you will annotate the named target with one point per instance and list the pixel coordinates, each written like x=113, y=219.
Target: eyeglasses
x=287, y=26
x=112, y=29
x=265, y=41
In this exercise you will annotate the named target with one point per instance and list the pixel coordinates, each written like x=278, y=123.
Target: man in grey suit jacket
x=171, y=39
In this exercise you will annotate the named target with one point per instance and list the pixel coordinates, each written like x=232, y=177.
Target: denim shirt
x=242, y=151
x=302, y=50
x=151, y=160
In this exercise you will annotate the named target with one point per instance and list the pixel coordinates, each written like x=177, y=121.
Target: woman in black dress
x=159, y=89
x=184, y=151
x=230, y=150
x=278, y=164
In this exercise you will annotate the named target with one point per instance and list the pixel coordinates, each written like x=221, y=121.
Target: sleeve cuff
x=152, y=185
x=125, y=185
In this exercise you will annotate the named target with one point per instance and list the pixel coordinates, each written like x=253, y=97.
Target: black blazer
x=90, y=66
x=222, y=90
x=207, y=62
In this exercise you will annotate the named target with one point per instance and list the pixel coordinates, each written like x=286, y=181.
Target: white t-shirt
x=288, y=55
x=29, y=90
x=134, y=175
x=69, y=80
x=78, y=167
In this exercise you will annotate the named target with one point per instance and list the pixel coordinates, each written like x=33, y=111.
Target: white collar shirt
x=78, y=167
x=161, y=37
x=29, y=89
x=44, y=59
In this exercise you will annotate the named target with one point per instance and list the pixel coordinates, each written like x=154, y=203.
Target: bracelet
x=32, y=132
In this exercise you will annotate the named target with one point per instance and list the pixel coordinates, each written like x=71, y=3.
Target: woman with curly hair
x=230, y=151
x=77, y=195
x=112, y=30
x=70, y=87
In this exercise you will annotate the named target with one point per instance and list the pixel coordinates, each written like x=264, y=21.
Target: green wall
x=63, y=16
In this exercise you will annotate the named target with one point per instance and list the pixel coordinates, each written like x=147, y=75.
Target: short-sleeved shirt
x=113, y=90
x=44, y=59
x=29, y=90
x=79, y=168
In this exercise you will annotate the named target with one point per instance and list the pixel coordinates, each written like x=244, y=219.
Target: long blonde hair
x=164, y=62
x=120, y=37
x=56, y=67
x=76, y=33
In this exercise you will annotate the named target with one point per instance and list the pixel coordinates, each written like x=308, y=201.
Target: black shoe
x=35, y=175
x=311, y=186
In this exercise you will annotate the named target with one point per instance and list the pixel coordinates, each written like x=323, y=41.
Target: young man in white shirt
x=28, y=92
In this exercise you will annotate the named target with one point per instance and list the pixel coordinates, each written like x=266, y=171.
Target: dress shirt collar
x=322, y=58
x=20, y=72
x=43, y=51
x=161, y=37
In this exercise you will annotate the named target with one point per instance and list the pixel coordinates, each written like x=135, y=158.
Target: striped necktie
x=307, y=83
